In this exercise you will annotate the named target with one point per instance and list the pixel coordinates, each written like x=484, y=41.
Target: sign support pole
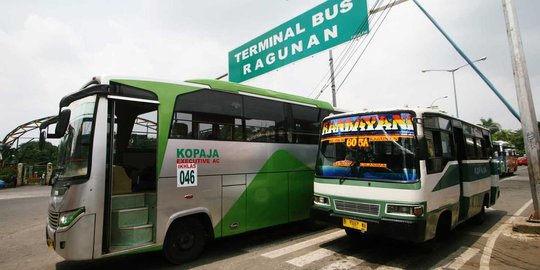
x=333, y=80
x=525, y=103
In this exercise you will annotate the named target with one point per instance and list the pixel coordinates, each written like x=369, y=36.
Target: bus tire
x=481, y=217
x=444, y=225
x=185, y=240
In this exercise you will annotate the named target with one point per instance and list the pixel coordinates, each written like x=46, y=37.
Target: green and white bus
x=146, y=165
x=408, y=174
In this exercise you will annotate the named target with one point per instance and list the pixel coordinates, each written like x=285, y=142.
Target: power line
x=344, y=53
x=363, y=51
x=346, y=56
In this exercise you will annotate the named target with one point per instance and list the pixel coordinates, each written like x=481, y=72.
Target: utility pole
x=333, y=80
x=526, y=106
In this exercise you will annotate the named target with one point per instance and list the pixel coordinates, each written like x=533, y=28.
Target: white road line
x=316, y=255
x=387, y=267
x=343, y=264
x=459, y=261
x=488, y=249
x=288, y=249
x=478, y=234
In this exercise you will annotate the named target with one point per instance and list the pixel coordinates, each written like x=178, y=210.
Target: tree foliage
x=490, y=124
x=29, y=153
x=514, y=137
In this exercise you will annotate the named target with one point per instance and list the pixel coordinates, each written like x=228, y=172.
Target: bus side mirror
x=62, y=124
x=43, y=134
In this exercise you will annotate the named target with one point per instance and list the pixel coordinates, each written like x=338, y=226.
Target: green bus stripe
x=476, y=171
x=449, y=178
x=267, y=201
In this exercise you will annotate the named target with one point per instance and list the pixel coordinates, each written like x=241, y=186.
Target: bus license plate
x=355, y=224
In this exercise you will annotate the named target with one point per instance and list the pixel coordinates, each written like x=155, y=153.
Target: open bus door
x=130, y=200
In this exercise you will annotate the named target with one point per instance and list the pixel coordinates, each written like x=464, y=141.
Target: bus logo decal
x=197, y=156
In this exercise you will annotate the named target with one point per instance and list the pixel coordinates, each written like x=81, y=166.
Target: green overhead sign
x=322, y=27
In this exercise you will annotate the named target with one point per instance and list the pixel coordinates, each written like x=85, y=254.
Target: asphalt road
x=492, y=245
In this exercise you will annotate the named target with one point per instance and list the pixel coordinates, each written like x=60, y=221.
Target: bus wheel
x=185, y=241
x=443, y=226
x=480, y=217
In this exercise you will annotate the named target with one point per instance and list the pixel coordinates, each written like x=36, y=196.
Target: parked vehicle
x=2, y=184
x=523, y=161
x=507, y=156
x=181, y=163
x=409, y=174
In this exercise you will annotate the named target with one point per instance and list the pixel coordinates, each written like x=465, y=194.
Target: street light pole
x=431, y=105
x=454, y=78
x=455, y=93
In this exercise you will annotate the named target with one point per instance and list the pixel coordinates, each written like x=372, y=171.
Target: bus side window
x=440, y=147
x=434, y=160
x=265, y=120
x=305, y=124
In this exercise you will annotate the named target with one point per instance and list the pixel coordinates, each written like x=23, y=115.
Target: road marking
x=318, y=240
x=478, y=234
x=488, y=249
x=346, y=263
x=316, y=255
x=459, y=261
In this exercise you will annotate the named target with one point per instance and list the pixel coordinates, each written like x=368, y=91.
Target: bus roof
x=504, y=144
x=151, y=84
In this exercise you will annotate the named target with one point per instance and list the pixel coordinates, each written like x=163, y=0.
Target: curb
x=521, y=225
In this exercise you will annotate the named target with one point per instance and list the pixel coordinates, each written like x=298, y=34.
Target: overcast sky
x=49, y=49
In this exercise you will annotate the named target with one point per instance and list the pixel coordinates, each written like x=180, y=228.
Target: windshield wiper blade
x=351, y=166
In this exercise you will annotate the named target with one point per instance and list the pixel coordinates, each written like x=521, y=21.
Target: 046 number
x=187, y=177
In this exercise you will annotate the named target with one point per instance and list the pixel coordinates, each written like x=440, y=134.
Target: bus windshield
x=371, y=146
x=74, y=146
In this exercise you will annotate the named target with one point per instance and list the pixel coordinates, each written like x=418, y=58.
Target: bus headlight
x=66, y=218
x=410, y=210
x=321, y=200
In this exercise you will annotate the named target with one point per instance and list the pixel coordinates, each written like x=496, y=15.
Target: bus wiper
x=351, y=166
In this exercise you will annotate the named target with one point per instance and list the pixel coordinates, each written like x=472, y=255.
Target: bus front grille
x=355, y=207
x=53, y=219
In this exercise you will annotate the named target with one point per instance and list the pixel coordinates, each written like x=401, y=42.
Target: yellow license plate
x=50, y=243
x=355, y=224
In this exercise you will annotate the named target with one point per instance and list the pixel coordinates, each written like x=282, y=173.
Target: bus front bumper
x=75, y=242
x=406, y=230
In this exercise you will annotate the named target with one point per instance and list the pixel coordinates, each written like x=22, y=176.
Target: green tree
x=513, y=137
x=29, y=153
x=490, y=124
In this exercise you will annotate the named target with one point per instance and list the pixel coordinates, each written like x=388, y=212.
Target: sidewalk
x=29, y=191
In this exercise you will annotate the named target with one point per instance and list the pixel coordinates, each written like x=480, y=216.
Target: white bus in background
x=408, y=174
